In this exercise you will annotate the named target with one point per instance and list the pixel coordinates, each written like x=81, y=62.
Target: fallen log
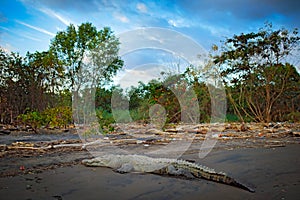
x=27, y=148
x=14, y=147
x=274, y=145
x=67, y=145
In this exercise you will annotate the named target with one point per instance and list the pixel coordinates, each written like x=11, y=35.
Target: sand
x=272, y=172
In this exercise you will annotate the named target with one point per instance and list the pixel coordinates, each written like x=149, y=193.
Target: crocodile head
x=97, y=162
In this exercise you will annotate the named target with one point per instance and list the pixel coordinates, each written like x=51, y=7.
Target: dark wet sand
x=272, y=172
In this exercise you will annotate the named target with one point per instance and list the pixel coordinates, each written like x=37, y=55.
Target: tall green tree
x=91, y=59
x=12, y=97
x=48, y=68
x=28, y=83
x=85, y=50
x=255, y=69
x=44, y=76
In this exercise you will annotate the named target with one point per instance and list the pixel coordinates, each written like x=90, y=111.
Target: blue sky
x=29, y=25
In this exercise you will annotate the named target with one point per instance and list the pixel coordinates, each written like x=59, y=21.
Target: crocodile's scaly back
x=192, y=170
x=162, y=166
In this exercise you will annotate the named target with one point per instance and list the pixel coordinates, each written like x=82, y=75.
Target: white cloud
x=121, y=18
x=156, y=39
x=4, y=28
x=142, y=7
x=31, y=38
x=21, y=34
x=186, y=23
x=6, y=48
x=217, y=31
x=179, y=23
x=59, y=28
x=36, y=28
x=143, y=73
x=51, y=13
x=172, y=22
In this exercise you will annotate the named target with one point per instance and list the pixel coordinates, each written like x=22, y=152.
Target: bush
x=140, y=114
x=232, y=118
x=57, y=117
x=33, y=119
x=105, y=120
x=294, y=117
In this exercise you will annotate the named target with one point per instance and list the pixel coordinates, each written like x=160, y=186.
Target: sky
x=29, y=25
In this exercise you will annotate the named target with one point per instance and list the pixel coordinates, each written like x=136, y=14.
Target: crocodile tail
x=220, y=178
x=233, y=182
x=240, y=185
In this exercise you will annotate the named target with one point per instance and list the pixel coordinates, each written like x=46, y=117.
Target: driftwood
x=96, y=143
x=14, y=147
x=67, y=145
x=274, y=145
x=27, y=148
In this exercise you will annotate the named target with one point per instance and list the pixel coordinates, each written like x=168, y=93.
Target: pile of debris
x=37, y=148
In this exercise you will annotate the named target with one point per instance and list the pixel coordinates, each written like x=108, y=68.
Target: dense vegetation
x=261, y=84
x=38, y=89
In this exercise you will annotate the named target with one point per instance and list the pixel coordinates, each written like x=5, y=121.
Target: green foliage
x=260, y=84
x=56, y=117
x=64, y=98
x=90, y=58
x=177, y=94
x=43, y=80
x=140, y=113
x=254, y=68
x=145, y=96
x=232, y=118
x=103, y=98
x=29, y=82
x=105, y=120
x=293, y=117
x=33, y=119
x=73, y=44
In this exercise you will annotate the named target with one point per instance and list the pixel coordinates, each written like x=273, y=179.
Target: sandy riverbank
x=272, y=172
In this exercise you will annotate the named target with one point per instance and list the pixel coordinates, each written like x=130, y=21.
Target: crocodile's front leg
x=173, y=171
x=125, y=168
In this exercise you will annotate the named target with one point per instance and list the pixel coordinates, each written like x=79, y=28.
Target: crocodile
x=162, y=166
